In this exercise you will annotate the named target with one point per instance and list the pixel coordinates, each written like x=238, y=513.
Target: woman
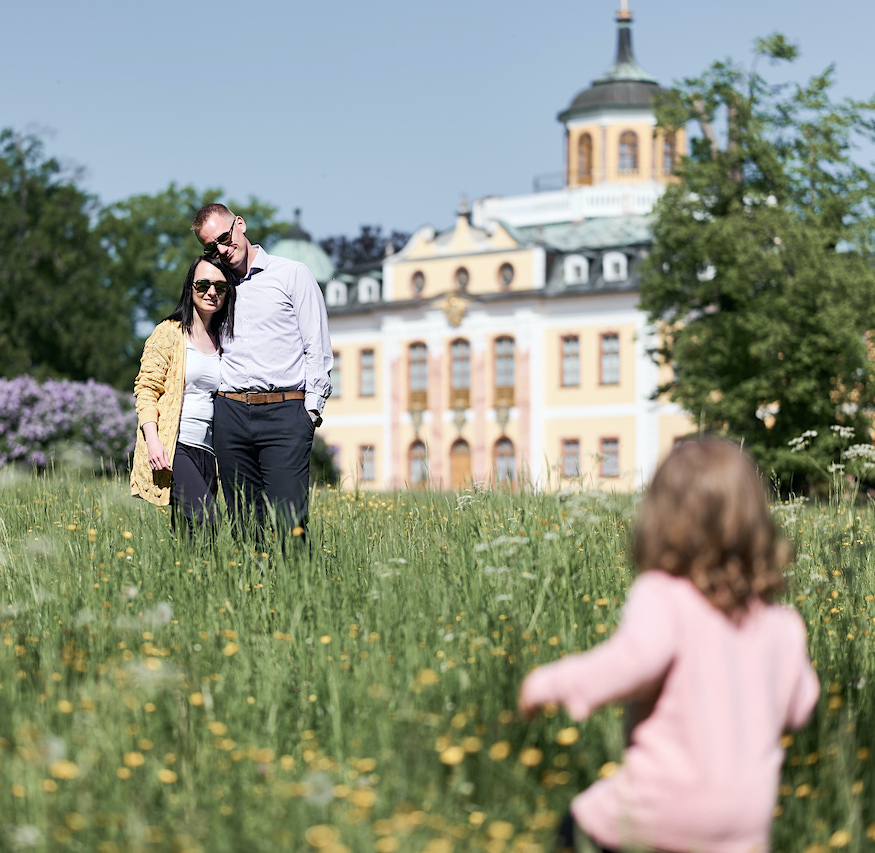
x=179, y=374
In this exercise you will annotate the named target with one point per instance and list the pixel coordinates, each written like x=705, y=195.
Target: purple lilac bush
x=37, y=419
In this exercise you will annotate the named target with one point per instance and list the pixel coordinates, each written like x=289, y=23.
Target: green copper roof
x=308, y=253
x=625, y=85
x=609, y=232
x=625, y=67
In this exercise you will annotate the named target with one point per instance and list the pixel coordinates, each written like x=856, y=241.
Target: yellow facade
x=506, y=292
x=482, y=256
x=605, y=146
x=591, y=435
x=590, y=388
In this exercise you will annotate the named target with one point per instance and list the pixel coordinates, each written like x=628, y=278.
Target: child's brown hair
x=705, y=516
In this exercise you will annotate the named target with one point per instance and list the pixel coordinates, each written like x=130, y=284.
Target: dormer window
x=368, y=289
x=335, y=293
x=615, y=267
x=576, y=269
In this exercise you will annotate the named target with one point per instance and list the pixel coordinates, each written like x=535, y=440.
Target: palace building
x=509, y=348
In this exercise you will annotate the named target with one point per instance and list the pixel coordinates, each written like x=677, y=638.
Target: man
x=274, y=377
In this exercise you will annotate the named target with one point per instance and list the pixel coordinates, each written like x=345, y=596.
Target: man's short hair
x=208, y=210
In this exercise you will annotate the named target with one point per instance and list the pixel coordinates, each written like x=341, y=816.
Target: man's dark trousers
x=263, y=453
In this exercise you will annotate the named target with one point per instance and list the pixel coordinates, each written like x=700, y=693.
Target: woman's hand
x=159, y=458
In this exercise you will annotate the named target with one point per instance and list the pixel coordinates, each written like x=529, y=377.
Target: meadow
x=161, y=696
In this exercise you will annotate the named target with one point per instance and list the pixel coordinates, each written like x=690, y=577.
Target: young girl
x=714, y=672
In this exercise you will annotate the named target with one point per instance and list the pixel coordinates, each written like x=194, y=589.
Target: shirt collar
x=259, y=264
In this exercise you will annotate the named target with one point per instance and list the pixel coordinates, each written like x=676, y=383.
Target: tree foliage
x=369, y=247
x=61, y=316
x=149, y=244
x=761, y=280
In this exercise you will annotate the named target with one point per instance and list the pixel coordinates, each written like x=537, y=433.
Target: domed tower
x=611, y=128
x=297, y=245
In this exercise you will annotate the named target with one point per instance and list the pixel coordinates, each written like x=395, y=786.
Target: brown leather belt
x=259, y=398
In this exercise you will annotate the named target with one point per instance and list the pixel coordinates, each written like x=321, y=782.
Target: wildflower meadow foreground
x=159, y=696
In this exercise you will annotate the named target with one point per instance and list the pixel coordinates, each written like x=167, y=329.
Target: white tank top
x=201, y=384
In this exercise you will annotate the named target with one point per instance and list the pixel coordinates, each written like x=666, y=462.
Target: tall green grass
x=157, y=694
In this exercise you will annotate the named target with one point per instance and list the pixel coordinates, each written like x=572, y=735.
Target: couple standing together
x=237, y=375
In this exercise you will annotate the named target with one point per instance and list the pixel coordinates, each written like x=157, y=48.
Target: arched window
x=418, y=375
x=505, y=276
x=669, y=153
x=505, y=464
x=504, y=371
x=629, y=153
x=584, y=159
x=417, y=458
x=462, y=279
x=460, y=374
x=460, y=464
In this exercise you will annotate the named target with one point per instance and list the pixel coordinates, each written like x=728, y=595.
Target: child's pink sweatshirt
x=701, y=770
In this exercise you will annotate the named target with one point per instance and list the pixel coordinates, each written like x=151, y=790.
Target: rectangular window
x=571, y=458
x=504, y=372
x=460, y=376
x=366, y=373
x=610, y=359
x=610, y=453
x=570, y=361
x=336, y=376
x=418, y=376
x=366, y=456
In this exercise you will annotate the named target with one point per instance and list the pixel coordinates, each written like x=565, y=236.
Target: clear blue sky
x=362, y=113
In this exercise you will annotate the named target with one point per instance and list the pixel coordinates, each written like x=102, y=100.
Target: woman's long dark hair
x=222, y=322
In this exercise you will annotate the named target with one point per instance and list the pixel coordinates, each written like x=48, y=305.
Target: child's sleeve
x=807, y=686
x=639, y=654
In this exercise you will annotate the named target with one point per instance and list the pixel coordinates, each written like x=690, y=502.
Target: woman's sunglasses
x=203, y=286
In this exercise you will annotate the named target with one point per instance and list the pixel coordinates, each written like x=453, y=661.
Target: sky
x=380, y=113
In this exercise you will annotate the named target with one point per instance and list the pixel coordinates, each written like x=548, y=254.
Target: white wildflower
x=24, y=836
x=843, y=431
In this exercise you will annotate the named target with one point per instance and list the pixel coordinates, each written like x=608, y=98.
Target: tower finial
x=624, y=13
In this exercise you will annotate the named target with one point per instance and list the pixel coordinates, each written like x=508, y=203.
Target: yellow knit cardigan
x=158, y=388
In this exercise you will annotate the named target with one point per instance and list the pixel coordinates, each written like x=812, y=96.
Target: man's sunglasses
x=212, y=249
x=203, y=286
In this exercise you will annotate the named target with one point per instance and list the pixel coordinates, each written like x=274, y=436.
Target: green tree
x=61, y=317
x=761, y=280
x=149, y=244
x=323, y=468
